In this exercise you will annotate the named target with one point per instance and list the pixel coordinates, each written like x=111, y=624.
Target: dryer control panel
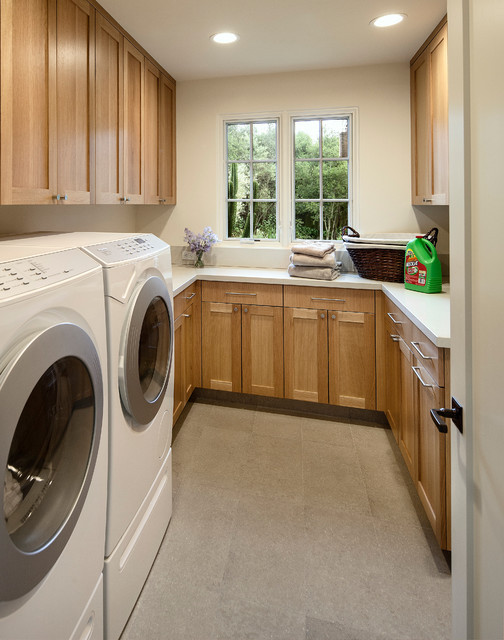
x=27, y=275
x=127, y=250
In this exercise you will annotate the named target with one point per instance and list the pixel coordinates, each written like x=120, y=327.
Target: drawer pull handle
x=391, y=316
x=190, y=297
x=330, y=299
x=237, y=293
x=395, y=337
x=186, y=315
x=424, y=384
x=417, y=348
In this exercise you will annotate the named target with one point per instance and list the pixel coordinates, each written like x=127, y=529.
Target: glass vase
x=199, y=264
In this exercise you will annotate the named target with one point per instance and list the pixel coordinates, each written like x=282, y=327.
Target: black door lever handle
x=455, y=414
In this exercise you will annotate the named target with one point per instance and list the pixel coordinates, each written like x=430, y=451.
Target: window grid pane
x=252, y=177
x=321, y=186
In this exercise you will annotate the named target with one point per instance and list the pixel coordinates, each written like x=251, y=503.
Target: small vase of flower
x=200, y=243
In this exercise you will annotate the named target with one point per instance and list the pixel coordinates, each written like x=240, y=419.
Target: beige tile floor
x=291, y=528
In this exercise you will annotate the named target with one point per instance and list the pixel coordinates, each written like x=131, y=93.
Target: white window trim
x=285, y=173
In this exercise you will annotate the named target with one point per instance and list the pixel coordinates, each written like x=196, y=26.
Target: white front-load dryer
x=139, y=310
x=53, y=445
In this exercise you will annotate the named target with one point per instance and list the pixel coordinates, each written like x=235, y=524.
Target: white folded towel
x=317, y=249
x=317, y=273
x=303, y=260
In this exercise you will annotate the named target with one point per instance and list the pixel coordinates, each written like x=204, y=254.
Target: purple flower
x=200, y=241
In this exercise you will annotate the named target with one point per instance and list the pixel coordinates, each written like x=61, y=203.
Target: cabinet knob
x=235, y=309
x=426, y=199
x=322, y=315
x=245, y=310
x=333, y=317
x=162, y=200
x=125, y=199
x=59, y=197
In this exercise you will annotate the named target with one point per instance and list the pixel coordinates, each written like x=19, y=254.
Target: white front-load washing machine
x=53, y=445
x=138, y=298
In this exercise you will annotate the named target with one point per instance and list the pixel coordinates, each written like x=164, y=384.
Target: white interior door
x=476, y=95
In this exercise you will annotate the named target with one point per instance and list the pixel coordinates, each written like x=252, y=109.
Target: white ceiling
x=275, y=35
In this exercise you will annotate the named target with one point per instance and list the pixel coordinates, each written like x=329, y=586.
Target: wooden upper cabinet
x=47, y=126
x=109, y=112
x=134, y=111
x=167, y=142
x=28, y=101
x=429, y=120
x=75, y=94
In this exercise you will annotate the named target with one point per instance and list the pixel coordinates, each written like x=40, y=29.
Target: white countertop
x=429, y=312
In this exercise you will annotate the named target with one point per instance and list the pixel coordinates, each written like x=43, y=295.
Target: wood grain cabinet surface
x=429, y=120
x=47, y=101
x=416, y=376
x=242, y=346
x=187, y=346
x=330, y=353
x=73, y=123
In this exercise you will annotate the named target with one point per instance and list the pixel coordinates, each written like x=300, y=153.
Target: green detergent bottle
x=422, y=269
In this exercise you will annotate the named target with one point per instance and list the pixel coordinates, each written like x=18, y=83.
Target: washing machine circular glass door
x=51, y=407
x=146, y=351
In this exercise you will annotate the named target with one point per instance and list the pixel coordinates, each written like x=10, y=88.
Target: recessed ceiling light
x=388, y=20
x=225, y=38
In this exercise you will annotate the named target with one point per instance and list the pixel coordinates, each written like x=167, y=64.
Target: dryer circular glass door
x=146, y=351
x=51, y=408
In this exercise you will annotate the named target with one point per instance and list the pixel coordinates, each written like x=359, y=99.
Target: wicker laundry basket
x=379, y=261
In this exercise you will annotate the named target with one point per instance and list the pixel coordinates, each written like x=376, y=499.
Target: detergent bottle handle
x=432, y=235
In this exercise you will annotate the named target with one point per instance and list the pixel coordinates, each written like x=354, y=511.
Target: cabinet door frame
x=129, y=196
x=152, y=134
x=24, y=194
x=167, y=142
x=272, y=356
x=114, y=196
x=318, y=350
x=360, y=367
x=227, y=344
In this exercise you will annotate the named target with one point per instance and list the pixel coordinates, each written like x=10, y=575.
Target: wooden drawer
x=430, y=357
x=400, y=323
x=183, y=299
x=243, y=293
x=339, y=299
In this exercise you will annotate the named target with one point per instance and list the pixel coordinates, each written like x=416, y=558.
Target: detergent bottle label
x=415, y=272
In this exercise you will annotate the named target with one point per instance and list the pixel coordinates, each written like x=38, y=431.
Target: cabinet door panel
x=134, y=69
x=352, y=359
x=75, y=99
x=262, y=350
x=152, y=124
x=167, y=142
x=408, y=429
x=439, y=111
x=28, y=99
x=306, y=361
x=178, y=363
x=221, y=346
x=109, y=113
x=431, y=455
x=192, y=349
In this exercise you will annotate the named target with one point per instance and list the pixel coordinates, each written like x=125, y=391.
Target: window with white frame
x=321, y=177
x=300, y=189
x=252, y=179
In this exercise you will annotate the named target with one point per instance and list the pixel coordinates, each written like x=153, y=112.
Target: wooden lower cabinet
x=416, y=381
x=330, y=357
x=242, y=348
x=187, y=347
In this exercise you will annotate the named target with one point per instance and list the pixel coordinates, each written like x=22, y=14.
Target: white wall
x=381, y=94
x=21, y=219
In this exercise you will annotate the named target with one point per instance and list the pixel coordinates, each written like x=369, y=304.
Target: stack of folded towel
x=314, y=260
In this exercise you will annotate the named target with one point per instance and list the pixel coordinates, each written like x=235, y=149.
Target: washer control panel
x=127, y=249
x=27, y=275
